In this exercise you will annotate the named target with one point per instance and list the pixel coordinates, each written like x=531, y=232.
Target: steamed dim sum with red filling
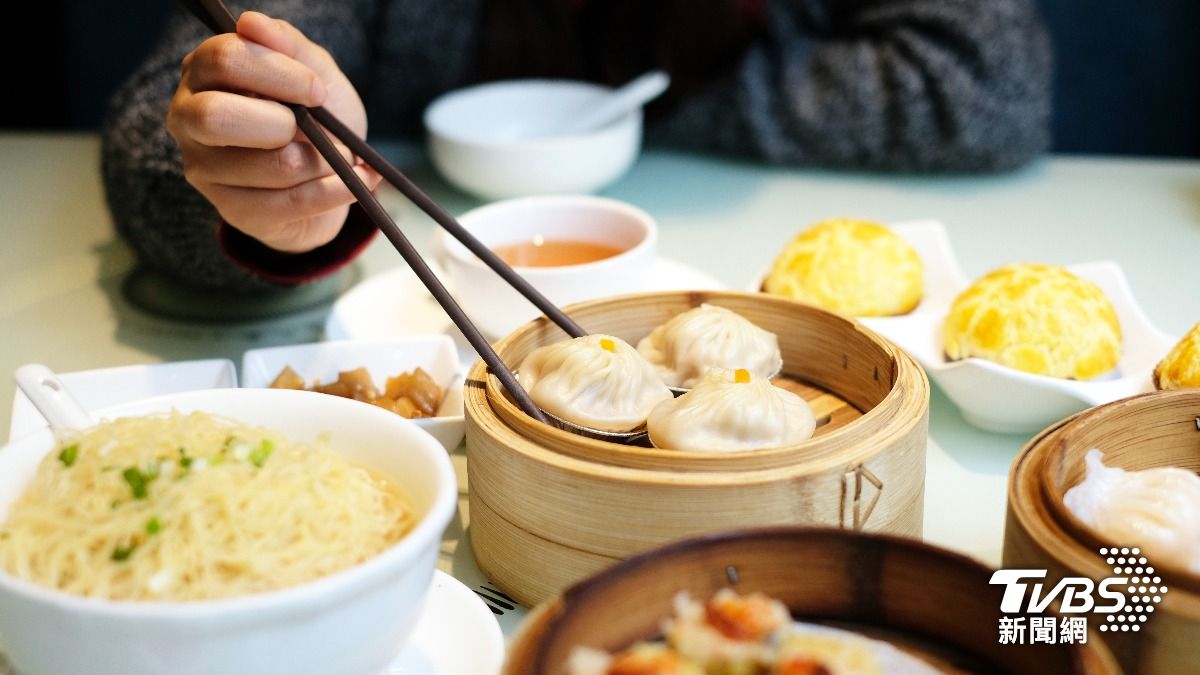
x=597, y=381
x=750, y=634
x=730, y=411
x=698, y=340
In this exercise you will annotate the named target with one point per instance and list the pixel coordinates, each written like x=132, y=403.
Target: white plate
x=455, y=634
x=382, y=358
x=999, y=398
x=395, y=304
x=106, y=387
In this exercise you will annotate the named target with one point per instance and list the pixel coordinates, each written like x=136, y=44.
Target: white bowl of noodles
x=352, y=621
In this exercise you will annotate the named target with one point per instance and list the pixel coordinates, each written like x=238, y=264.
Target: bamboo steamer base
x=936, y=605
x=549, y=507
x=1158, y=429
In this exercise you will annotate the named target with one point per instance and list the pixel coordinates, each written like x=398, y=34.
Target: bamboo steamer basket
x=549, y=507
x=1147, y=431
x=927, y=601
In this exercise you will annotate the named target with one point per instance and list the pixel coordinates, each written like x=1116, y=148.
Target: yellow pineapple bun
x=1181, y=366
x=853, y=267
x=1037, y=318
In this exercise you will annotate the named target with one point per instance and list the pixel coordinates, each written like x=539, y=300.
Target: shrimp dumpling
x=1157, y=510
x=728, y=411
x=706, y=337
x=597, y=381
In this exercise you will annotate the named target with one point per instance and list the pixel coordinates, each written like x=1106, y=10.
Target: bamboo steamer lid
x=933, y=603
x=550, y=507
x=1146, y=431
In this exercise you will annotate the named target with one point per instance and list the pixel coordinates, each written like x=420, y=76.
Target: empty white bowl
x=485, y=139
x=353, y=622
x=383, y=358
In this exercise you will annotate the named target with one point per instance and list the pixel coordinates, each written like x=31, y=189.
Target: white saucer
x=395, y=304
x=455, y=634
x=995, y=397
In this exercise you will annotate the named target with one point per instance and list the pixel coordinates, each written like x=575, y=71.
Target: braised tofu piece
x=358, y=382
x=418, y=386
x=288, y=379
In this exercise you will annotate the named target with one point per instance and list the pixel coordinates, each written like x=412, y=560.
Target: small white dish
x=995, y=397
x=383, y=358
x=396, y=304
x=106, y=387
x=455, y=634
x=484, y=139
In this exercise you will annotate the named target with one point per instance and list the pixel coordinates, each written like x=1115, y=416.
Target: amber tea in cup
x=542, y=252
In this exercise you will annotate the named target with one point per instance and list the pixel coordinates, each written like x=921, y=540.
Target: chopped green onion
x=261, y=453
x=116, y=503
x=153, y=526
x=69, y=454
x=137, y=482
x=151, y=470
x=184, y=460
x=122, y=553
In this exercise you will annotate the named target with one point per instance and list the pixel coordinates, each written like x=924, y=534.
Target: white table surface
x=61, y=304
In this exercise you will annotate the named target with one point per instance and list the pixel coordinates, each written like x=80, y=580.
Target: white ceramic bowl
x=350, y=623
x=103, y=387
x=484, y=140
x=495, y=307
x=995, y=397
x=382, y=358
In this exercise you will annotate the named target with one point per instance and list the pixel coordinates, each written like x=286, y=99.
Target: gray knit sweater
x=903, y=85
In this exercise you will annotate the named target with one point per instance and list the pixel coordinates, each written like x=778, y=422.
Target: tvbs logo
x=1125, y=600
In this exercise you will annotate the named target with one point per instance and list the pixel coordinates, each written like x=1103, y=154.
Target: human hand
x=246, y=154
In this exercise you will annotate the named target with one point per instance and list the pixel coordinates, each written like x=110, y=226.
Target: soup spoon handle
x=51, y=398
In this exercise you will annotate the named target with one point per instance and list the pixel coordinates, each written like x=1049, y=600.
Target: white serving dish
x=383, y=358
x=354, y=622
x=104, y=387
x=483, y=139
x=995, y=397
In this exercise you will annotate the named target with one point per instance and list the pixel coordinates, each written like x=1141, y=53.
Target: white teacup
x=495, y=307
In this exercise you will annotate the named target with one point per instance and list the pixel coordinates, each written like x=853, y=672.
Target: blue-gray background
x=1127, y=71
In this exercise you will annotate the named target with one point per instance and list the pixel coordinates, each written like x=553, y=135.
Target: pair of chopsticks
x=217, y=17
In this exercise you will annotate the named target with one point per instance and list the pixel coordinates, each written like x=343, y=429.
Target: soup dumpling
x=707, y=337
x=598, y=381
x=729, y=411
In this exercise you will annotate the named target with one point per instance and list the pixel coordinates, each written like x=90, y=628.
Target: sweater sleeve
x=170, y=225
x=917, y=85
